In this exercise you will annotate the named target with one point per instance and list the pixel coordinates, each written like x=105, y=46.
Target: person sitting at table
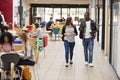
x=6, y=42
x=6, y=46
x=36, y=33
x=62, y=20
x=49, y=25
x=28, y=58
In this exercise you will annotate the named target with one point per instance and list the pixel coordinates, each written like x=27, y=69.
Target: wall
x=6, y=6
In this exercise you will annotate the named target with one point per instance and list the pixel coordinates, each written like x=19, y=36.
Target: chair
x=18, y=30
x=18, y=47
x=9, y=61
x=32, y=41
x=56, y=31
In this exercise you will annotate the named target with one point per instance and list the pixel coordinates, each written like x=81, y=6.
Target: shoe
x=86, y=63
x=91, y=65
x=71, y=62
x=66, y=65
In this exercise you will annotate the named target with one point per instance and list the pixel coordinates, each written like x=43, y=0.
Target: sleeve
x=80, y=28
x=1, y=49
x=95, y=28
x=3, y=20
x=63, y=30
x=75, y=30
x=12, y=49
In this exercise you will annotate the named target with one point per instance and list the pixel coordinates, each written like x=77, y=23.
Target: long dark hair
x=7, y=34
x=24, y=36
x=69, y=22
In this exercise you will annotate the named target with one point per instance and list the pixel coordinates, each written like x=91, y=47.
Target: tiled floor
x=52, y=67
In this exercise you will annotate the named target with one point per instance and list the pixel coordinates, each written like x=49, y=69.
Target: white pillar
x=92, y=9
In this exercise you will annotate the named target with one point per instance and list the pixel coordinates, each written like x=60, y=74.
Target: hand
x=92, y=33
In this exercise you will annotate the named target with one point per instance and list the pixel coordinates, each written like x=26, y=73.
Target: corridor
x=52, y=65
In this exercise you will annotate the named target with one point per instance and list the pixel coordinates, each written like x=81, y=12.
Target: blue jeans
x=69, y=47
x=88, y=44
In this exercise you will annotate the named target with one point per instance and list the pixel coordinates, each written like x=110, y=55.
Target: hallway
x=52, y=67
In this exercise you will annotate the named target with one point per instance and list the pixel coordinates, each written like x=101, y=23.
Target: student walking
x=69, y=32
x=87, y=34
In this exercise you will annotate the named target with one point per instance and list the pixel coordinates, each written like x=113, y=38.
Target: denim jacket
x=82, y=29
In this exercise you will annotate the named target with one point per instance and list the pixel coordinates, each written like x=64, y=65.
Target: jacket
x=82, y=29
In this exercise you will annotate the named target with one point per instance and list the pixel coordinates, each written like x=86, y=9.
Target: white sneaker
x=86, y=63
x=91, y=65
x=66, y=65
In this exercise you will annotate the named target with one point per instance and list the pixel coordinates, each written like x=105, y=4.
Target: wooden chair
x=18, y=30
x=18, y=47
x=32, y=41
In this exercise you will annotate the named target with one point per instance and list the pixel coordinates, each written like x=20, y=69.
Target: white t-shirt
x=88, y=29
x=38, y=33
x=69, y=30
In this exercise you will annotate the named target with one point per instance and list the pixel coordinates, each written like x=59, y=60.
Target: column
x=92, y=9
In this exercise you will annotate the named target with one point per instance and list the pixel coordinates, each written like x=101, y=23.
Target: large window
x=48, y=13
x=116, y=37
x=57, y=13
x=65, y=12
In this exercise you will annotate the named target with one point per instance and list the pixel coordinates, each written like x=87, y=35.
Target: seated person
x=62, y=20
x=6, y=42
x=28, y=58
x=49, y=24
x=6, y=46
x=42, y=24
x=37, y=32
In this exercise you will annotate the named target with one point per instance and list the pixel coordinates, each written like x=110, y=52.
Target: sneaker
x=71, y=62
x=66, y=65
x=91, y=65
x=86, y=63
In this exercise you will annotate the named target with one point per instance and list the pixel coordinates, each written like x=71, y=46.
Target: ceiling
x=80, y=2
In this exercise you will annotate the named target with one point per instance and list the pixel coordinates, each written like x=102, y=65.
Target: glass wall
x=48, y=13
x=116, y=37
x=58, y=13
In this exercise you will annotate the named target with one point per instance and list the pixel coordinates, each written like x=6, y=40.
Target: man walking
x=87, y=34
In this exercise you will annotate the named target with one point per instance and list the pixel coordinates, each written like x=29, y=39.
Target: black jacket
x=82, y=29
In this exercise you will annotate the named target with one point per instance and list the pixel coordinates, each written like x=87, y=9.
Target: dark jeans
x=69, y=46
x=88, y=44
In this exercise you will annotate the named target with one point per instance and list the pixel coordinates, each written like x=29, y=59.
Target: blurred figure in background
x=6, y=42
x=2, y=22
x=49, y=25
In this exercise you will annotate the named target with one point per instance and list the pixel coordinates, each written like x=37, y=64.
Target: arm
x=63, y=30
x=75, y=30
x=1, y=48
